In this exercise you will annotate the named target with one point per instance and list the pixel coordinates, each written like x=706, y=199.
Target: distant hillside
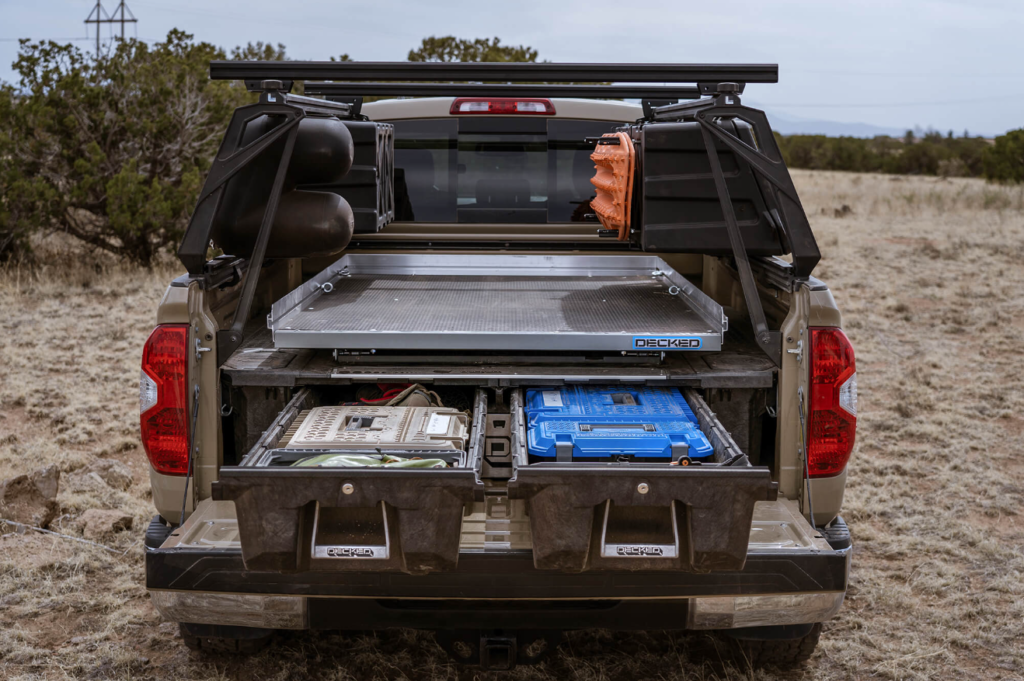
x=790, y=125
x=786, y=124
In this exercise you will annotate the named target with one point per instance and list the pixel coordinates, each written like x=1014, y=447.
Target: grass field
x=929, y=274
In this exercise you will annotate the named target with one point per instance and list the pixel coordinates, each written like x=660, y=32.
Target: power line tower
x=98, y=15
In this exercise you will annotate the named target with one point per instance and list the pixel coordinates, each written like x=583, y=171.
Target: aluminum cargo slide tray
x=498, y=302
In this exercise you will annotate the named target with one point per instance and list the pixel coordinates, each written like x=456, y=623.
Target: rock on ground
x=98, y=524
x=99, y=474
x=31, y=499
x=113, y=472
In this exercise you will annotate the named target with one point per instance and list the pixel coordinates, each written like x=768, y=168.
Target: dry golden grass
x=930, y=277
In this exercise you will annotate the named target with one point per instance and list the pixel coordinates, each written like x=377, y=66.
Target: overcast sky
x=950, y=64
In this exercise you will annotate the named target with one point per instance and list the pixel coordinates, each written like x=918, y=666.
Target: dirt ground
x=929, y=274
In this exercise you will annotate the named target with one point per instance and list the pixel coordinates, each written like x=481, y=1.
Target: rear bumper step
x=511, y=576
x=790, y=575
x=503, y=591
x=746, y=614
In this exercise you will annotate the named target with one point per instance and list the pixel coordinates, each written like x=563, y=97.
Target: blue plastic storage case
x=584, y=421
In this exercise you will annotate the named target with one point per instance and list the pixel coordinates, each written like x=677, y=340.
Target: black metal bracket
x=720, y=87
x=768, y=340
x=355, y=105
x=223, y=271
x=496, y=650
x=261, y=85
x=231, y=158
x=603, y=141
x=768, y=166
x=649, y=105
x=229, y=339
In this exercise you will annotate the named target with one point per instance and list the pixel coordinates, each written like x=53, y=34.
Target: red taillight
x=163, y=399
x=503, y=107
x=832, y=423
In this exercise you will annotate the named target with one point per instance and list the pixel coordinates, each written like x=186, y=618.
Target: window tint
x=494, y=170
x=425, y=170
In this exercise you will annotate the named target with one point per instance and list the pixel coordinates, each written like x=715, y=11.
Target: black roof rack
x=656, y=92
x=494, y=71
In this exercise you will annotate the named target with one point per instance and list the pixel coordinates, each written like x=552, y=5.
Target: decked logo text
x=666, y=343
x=639, y=551
x=349, y=552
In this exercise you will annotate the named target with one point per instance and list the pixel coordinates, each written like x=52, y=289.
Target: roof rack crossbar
x=493, y=71
x=502, y=90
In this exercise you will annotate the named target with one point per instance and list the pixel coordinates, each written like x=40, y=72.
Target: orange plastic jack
x=614, y=183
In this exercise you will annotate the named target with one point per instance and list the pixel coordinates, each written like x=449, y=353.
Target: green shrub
x=450, y=49
x=1004, y=160
x=111, y=150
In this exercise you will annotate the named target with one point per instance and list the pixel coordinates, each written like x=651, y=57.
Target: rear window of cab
x=495, y=169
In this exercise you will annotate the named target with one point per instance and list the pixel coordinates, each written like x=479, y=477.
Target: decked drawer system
x=582, y=516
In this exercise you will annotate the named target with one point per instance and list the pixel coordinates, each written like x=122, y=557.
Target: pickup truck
x=345, y=406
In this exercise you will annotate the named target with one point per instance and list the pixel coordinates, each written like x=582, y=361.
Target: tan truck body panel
x=186, y=305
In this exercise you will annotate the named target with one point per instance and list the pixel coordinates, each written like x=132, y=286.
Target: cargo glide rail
x=613, y=303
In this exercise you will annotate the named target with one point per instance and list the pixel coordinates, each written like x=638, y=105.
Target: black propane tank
x=323, y=153
x=307, y=224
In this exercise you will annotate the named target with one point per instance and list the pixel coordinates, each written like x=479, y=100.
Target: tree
x=112, y=149
x=451, y=49
x=1004, y=160
x=259, y=51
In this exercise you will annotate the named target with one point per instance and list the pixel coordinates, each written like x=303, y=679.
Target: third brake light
x=502, y=106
